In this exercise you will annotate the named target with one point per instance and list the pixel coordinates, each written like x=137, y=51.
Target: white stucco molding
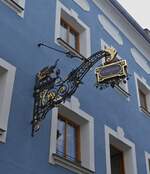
x=110, y=28
x=83, y=4
x=140, y=60
x=124, y=26
x=16, y=5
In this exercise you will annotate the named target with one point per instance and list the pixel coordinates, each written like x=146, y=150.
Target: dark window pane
x=142, y=99
x=117, y=163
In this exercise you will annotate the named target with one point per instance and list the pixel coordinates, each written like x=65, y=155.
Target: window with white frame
x=7, y=77
x=71, y=32
x=72, y=138
x=16, y=5
x=143, y=94
x=123, y=85
x=120, y=152
x=68, y=139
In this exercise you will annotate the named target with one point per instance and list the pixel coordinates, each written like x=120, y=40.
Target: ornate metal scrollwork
x=50, y=89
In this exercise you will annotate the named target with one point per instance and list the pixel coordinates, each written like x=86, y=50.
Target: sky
x=139, y=10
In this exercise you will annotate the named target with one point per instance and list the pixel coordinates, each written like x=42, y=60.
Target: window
x=69, y=35
x=120, y=152
x=143, y=101
x=68, y=139
x=72, y=138
x=117, y=160
x=71, y=32
x=143, y=94
x=7, y=77
x=16, y=5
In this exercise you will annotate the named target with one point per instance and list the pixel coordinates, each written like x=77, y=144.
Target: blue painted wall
x=22, y=154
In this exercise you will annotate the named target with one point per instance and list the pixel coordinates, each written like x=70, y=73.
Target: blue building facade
x=95, y=131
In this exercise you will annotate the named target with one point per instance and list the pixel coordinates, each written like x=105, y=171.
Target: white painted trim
x=129, y=155
x=83, y=4
x=72, y=111
x=110, y=28
x=53, y=134
x=147, y=159
x=7, y=80
x=73, y=17
x=124, y=26
x=18, y=9
x=70, y=165
x=140, y=60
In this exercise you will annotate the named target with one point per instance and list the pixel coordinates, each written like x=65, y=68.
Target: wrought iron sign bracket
x=51, y=89
x=71, y=53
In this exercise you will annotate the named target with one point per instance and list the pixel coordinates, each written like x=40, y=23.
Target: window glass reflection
x=60, y=137
x=71, y=142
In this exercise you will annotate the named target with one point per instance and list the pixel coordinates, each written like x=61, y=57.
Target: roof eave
x=130, y=19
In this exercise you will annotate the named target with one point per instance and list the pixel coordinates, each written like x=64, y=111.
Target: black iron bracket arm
x=50, y=89
x=67, y=53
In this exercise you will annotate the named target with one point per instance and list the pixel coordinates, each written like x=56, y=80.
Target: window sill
x=145, y=111
x=122, y=91
x=75, y=167
x=73, y=51
x=13, y=5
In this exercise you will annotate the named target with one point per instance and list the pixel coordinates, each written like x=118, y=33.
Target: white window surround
x=123, y=87
x=16, y=5
x=140, y=60
x=110, y=28
x=73, y=112
x=147, y=160
x=73, y=18
x=143, y=81
x=83, y=4
x=117, y=139
x=7, y=77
